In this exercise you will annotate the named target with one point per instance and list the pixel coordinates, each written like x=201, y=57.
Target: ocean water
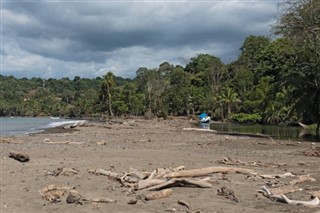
x=22, y=125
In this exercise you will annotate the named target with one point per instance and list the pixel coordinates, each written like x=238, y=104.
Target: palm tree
x=229, y=97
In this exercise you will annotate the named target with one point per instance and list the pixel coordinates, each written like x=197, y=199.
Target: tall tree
x=300, y=23
x=106, y=90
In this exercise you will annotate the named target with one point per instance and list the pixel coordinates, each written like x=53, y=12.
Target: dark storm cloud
x=122, y=36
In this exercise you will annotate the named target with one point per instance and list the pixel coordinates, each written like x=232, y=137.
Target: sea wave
x=63, y=123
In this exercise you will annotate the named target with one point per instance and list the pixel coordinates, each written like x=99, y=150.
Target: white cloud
x=58, y=39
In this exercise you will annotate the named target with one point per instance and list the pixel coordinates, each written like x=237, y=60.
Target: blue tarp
x=203, y=115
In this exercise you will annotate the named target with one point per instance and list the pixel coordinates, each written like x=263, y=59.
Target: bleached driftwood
x=207, y=171
x=105, y=172
x=282, y=198
x=186, y=182
x=310, y=203
x=230, y=161
x=200, y=130
x=102, y=200
x=19, y=156
x=142, y=184
x=53, y=193
x=161, y=172
x=302, y=179
x=273, y=176
x=158, y=195
x=140, y=175
x=284, y=190
x=63, y=142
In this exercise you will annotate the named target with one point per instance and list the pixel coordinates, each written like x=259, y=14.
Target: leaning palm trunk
x=109, y=101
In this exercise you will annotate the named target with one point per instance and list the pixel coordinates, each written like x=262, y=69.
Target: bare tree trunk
x=109, y=101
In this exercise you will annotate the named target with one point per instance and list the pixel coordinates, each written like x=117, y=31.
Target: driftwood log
x=283, y=198
x=302, y=179
x=158, y=195
x=105, y=172
x=19, y=156
x=207, y=171
x=184, y=182
x=274, y=176
x=230, y=161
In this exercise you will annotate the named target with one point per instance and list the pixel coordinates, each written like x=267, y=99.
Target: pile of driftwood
x=157, y=184
x=312, y=152
x=54, y=193
x=279, y=193
x=161, y=180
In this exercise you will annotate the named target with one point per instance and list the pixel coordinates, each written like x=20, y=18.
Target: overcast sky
x=55, y=39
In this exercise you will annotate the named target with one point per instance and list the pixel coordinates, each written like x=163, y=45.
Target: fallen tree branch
x=142, y=184
x=273, y=176
x=301, y=179
x=19, y=156
x=207, y=171
x=200, y=130
x=181, y=182
x=184, y=203
x=105, y=172
x=282, y=198
x=230, y=161
x=310, y=203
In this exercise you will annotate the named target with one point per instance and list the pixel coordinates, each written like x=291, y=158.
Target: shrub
x=244, y=118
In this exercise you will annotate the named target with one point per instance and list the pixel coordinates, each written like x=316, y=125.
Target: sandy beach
x=120, y=146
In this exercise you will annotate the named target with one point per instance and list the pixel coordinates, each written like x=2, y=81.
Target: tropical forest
x=274, y=80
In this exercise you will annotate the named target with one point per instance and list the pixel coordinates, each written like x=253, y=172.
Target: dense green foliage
x=272, y=81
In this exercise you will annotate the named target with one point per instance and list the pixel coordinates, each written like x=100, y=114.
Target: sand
x=145, y=145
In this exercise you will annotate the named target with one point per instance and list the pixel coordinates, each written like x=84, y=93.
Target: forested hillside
x=272, y=81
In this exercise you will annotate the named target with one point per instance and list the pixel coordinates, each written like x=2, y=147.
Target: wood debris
x=207, y=171
x=230, y=161
x=161, y=178
x=182, y=182
x=273, y=176
x=184, y=203
x=63, y=172
x=228, y=193
x=283, y=198
x=284, y=190
x=7, y=140
x=312, y=152
x=53, y=193
x=302, y=179
x=19, y=156
x=159, y=194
